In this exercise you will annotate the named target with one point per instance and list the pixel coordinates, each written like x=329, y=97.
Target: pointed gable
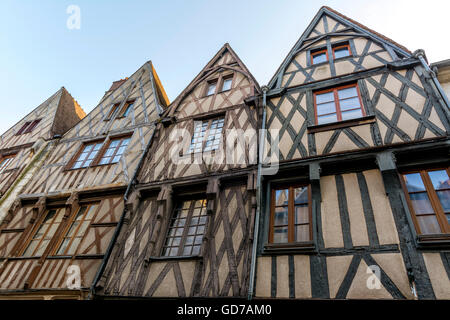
x=330, y=31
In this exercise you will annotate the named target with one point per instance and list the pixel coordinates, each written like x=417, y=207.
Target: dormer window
x=28, y=127
x=319, y=56
x=127, y=108
x=211, y=89
x=341, y=51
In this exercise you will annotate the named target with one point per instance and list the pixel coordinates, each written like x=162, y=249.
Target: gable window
x=4, y=162
x=290, y=218
x=127, y=108
x=113, y=111
x=319, y=56
x=226, y=84
x=44, y=233
x=116, y=147
x=28, y=127
x=428, y=197
x=87, y=155
x=187, y=228
x=211, y=89
x=341, y=50
x=338, y=104
x=207, y=135
x=78, y=227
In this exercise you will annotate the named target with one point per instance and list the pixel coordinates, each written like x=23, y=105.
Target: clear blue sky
x=39, y=54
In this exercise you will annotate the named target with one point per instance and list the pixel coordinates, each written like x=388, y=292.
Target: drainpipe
x=121, y=221
x=420, y=54
x=258, y=198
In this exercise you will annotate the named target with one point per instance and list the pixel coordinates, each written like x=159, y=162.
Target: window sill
x=341, y=124
x=164, y=258
x=434, y=241
x=299, y=247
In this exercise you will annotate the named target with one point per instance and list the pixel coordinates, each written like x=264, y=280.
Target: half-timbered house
x=189, y=219
x=24, y=146
x=55, y=235
x=359, y=207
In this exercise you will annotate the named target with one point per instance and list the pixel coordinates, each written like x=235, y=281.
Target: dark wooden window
x=290, y=218
x=211, y=87
x=28, y=127
x=127, y=108
x=44, y=233
x=428, y=197
x=87, y=155
x=341, y=50
x=338, y=104
x=319, y=56
x=207, y=135
x=5, y=161
x=78, y=226
x=187, y=228
x=114, y=150
x=226, y=83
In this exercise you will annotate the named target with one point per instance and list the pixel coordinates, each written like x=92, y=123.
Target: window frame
x=210, y=83
x=28, y=127
x=337, y=103
x=74, y=159
x=113, y=111
x=207, y=133
x=104, y=148
x=339, y=46
x=316, y=52
x=3, y=158
x=291, y=215
x=432, y=196
x=125, y=109
x=225, y=78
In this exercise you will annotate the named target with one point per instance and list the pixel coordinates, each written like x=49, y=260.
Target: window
x=428, y=195
x=114, y=151
x=207, y=135
x=127, y=108
x=337, y=104
x=226, y=85
x=342, y=50
x=77, y=229
x=211, y=89
x=319, y=56
x=87, y=155
x=4, y=162
x=290, y=219
x=113, y=111
x=44, y=233
x=187, y=228
x=28, y=127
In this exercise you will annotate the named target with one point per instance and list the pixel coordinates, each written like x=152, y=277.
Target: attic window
x=28, y=127
x=341, y=51
x=4, y=162
x=127, y=108
x=226, y=84
x=211, y=89
x=113, y=111
x=319, y=56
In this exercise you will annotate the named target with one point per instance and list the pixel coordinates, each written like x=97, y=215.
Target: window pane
x=227, y=84
x=280, y=235
x=319, y=57
x=301, y=214
x=439, y=179
x=428, y=224
x=347, y=93
x=301, y=195
x=341, y=52
x=326, y=108
x=324, y=97
x=327, y=119
x=414, y=182
x=211, y=89
x=281, y=216
x=444, y=198
x=302, y=233
x=421, y=203
x=351, y=114
x=281, y=197
x=348, y=104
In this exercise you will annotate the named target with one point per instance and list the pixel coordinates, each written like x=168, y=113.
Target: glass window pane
x=31, y=248
x=42, y=248
x=429, y=224
x=421, y=203
x=351, y=114
x=187, y=250
x=326, y=108
x=414, y=182
x=302, y=233
x=347, y=93
x=301, y=214
x=319, y=57
x=116, y=159
x=281, y=197
x=327, y=119
x=444, y=198
x=98, y=146
x=189, y=240
x=301, y=195
x=281, y=216
x=350, y=103
x=63, y=246
x=211, y=89
x=324, y=97
x=280, y=235
x=227, y=84
x=439, y=179
x=176, y=241
x=196, y=250
x=88, y=148
x=341, y=52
